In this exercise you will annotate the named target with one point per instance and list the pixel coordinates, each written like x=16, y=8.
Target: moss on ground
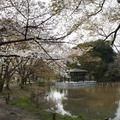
x=25, y=104
x=21, y=99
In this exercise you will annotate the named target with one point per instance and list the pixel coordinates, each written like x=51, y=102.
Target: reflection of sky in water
x=117, y=114
x=96, y=103
x=56, y=97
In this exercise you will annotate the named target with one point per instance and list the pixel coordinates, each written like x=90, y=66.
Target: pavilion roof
x=77, y=70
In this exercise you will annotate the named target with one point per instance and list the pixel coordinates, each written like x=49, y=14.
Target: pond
x=94, y=103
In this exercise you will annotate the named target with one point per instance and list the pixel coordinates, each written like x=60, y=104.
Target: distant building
x=77, y=74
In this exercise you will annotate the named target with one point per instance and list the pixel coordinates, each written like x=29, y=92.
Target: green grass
x=41, y=83
x=37, y=110
x=21, y=99
x=23, y=103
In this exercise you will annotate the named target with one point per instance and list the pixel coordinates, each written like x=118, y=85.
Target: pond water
x=95, y=103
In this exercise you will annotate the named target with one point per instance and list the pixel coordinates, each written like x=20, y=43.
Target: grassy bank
x=27, y=105
x=21, y=98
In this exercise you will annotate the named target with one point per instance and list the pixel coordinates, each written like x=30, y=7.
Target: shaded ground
x=12, y=113
x=8, y=112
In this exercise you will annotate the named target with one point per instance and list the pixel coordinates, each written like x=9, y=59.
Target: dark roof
x=78, y=70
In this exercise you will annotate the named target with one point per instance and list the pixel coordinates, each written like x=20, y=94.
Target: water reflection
x=95, y=103
x=56, y=98
x=117, y=115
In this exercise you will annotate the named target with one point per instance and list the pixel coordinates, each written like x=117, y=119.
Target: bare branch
x=101, y=7
x=17, y=9
x=49, y=55
x=43, y=40
x=79, y=3
x=114, y=33
x=7, y=56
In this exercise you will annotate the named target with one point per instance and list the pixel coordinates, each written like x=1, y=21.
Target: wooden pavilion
x=77, y=74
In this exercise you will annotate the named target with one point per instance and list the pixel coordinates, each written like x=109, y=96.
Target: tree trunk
x=7, y=84
x=54, y=116
x=7, y=98
x=1, y=85
x=22, y=83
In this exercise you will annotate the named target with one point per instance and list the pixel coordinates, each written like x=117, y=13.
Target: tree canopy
x=39, y=24
x=36, y=29
x=96, y=59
